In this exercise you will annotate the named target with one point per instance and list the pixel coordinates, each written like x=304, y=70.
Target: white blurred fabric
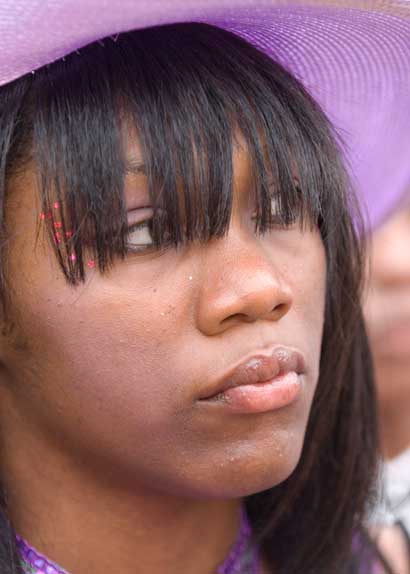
x=394, y=503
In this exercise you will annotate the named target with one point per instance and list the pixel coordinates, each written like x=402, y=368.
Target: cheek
x=305, y=270
x=104, y=359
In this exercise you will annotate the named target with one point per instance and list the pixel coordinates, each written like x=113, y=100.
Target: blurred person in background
x=387, y=309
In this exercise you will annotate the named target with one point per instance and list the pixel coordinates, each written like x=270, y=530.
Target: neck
x=394, y=427
x=86, y=525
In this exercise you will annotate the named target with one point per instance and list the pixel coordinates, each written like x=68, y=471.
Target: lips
x=282, y=365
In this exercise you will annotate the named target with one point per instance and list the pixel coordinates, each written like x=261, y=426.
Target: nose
x=240, y=284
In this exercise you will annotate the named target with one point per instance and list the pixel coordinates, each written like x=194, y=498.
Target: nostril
x=276, y=313
x=280, y=310
x=243, y=317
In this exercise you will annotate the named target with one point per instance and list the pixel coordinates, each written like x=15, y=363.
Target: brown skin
x=388, y=320
x=105, y=444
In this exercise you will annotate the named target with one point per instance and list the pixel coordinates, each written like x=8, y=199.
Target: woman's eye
x=139, y=237
x=274, y=211
x=276, y=217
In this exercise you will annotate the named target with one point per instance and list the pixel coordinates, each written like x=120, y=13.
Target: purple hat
x=353, y=56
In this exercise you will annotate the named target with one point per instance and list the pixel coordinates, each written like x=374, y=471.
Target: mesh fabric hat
x=353, y=56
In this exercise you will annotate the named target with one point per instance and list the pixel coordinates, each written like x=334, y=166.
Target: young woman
x=186, y=383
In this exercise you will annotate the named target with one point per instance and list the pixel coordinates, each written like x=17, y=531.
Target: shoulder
x=393, y=544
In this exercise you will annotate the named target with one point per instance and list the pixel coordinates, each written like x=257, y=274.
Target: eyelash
x=277, y=220
x=146, y=247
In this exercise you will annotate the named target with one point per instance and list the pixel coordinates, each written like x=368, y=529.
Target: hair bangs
x=186, y=91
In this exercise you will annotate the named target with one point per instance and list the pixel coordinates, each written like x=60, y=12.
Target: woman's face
x=388, y=309
x=119, y=372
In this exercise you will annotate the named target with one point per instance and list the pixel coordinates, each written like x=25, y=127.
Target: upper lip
x=258, y=368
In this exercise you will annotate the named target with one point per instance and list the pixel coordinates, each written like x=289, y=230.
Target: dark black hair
x=186, y=89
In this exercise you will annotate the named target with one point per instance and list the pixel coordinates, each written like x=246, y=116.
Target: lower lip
x=261, y=397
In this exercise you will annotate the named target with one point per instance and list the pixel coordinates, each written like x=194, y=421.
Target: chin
x=252, y=475
x=246, y=469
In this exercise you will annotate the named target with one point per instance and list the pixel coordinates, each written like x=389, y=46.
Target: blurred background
x=387, y=311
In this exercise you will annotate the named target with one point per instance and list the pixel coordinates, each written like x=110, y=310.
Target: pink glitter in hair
x=91, y=264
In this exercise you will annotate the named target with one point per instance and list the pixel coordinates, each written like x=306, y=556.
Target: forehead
x=23, y=199
x=136, y=172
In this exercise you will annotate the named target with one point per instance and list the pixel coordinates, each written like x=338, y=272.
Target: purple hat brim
x=354, y=58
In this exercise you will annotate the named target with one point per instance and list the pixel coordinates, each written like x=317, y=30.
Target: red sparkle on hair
x=56, y=205
x=58, y=224
x=57, y=237
x=91, y=264
x=73, y=257
x=68, y=233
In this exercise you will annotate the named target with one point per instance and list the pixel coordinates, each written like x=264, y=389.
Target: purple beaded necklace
x=242, y=559
x=35, y=563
